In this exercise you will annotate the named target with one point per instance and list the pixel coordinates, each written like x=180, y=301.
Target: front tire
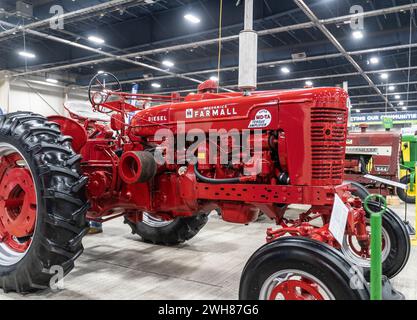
x=406, y=195
x=42, y=215
x=396, y=245
x=360, y=191
x=172, y=232
x=296, y=268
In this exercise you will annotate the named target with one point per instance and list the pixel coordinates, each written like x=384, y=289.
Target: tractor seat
x=83, y=111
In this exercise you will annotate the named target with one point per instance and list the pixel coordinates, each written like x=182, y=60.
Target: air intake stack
x=248, y=51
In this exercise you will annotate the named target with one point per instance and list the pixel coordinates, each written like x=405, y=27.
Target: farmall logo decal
x=210, y=112
x=189, y=113
x=262, y=119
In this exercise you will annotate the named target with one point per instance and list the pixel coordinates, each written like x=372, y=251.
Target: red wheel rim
x=293, y=284
x=17, y=205
x=362, y=252
x=302, y=289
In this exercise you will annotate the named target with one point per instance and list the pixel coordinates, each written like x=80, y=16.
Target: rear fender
x=72, y=128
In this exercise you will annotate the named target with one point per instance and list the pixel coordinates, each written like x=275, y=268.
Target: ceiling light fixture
x=192, y=18
x=168, y=63
x=285, y=70
x=374, y=60
x=27, y=54
x=96, y=39
x=384, y=76
x=357, y=35
x=50, y=80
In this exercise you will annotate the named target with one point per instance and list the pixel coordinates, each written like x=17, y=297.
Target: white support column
x=346, y=88
x=248, y=15
x=4, y=94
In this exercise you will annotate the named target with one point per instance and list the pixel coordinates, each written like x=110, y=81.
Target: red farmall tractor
x=57, y=172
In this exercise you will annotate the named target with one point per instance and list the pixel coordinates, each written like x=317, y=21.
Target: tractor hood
x=225, y=111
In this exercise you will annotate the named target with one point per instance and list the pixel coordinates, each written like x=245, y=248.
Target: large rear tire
x=43, y=205
x=172, y=232
x=296, y=268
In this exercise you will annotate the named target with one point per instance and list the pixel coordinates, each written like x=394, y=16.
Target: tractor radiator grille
x=328, y=142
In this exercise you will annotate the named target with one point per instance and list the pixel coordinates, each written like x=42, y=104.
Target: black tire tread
x=360, y=191
x=179, y=231
x=403, y=250
x=402, y=194
x=287, y=252
x=62, y=207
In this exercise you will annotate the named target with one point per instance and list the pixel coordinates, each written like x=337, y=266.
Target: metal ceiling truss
x=77, y=14
x=303, y=79
x=319, y=24
x=315, y=22
x=268, y=64
x=224, y=39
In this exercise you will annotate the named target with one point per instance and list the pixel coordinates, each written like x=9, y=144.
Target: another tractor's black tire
x=61, y=204
x=396, y=256
x=360, y=191
x=306, y=256
x=402, y=194
x=169, y=233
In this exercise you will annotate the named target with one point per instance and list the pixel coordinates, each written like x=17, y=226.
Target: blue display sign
x=133, y=102
x=377, y=118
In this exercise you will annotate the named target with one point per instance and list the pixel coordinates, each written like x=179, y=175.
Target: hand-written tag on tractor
x=338, y=219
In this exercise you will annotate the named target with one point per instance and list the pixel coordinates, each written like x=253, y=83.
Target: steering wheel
x=100, y=89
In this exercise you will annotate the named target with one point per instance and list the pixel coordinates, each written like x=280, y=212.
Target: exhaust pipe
x=248, y=52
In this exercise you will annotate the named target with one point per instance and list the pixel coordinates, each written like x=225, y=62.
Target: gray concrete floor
x=117, y=265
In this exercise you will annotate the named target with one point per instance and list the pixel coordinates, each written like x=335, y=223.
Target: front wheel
x=407, y=195
x=297, y=268
x=358, y=190
x=172, y=232
x=395, y=245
